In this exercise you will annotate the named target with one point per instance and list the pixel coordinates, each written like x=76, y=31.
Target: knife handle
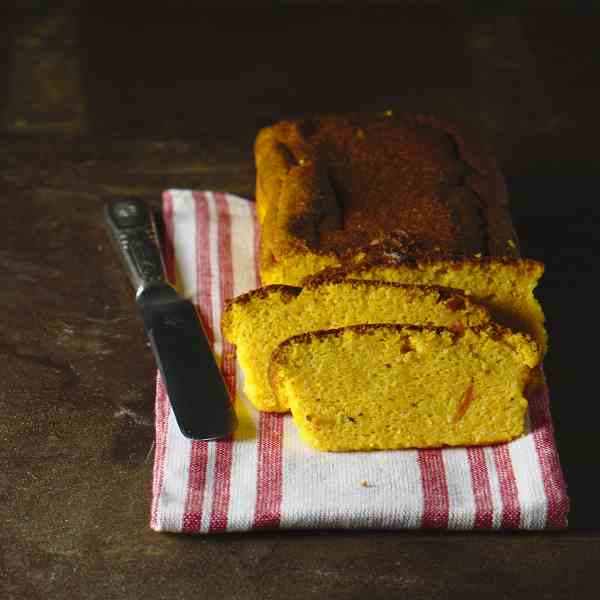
x=133, y=232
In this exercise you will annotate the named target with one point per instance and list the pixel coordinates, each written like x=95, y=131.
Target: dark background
x=105, y=98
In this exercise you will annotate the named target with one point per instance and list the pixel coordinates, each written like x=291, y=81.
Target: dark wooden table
x=101, y=99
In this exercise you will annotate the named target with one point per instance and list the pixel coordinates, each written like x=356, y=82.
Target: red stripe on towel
x=511, y=508
x=269, y=480
x=192, y=516
x=204, y=280
x=482, y=493
x=224, y=448
x=169, y=236
x=435, y=490
x=162, y=405
x=543, y=436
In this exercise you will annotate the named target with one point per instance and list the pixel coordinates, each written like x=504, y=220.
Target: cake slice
x=257, y=322
x=503, y=285
x=383, y=387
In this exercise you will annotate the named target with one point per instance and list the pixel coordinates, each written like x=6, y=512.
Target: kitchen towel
x=264, y=476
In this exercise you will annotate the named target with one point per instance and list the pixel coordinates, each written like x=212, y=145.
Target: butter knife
x=198, y=395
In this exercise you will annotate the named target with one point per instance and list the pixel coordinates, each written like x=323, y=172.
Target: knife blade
x=195, y=387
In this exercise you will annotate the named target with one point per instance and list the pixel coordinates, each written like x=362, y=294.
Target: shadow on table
x=557, y=216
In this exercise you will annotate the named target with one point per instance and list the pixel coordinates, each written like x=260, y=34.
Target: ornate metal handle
x=134, y=234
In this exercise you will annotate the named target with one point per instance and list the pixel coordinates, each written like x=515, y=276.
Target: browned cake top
x=411, y=181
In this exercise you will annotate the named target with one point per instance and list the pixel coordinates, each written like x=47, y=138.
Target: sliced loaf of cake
x=418, y=190
x=371, y=387
x=257, y=322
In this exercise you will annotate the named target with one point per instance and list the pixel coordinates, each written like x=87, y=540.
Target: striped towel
x=265, y=477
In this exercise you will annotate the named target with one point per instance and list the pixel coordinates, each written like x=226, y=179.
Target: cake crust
x=494, y=330
x=333, y=184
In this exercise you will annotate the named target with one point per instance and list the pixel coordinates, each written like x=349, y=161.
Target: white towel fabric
x=265, y=476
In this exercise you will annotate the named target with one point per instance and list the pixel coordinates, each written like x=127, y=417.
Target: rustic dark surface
x=97, y=101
